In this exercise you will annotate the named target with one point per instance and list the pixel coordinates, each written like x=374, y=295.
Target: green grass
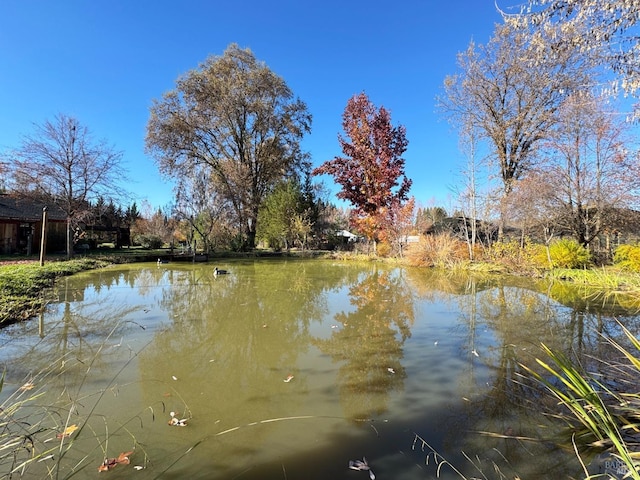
x=600, y=418
x=604, y=278
x=23, y=286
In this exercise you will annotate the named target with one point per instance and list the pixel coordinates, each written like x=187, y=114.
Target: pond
x=289, y=369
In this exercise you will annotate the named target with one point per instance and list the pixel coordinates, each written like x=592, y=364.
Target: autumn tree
x=371, y=172
x=603, y=31
x=153, y=228
x=397, y=224
x=588, y=171
x=237, y=120
x=507, y=92
x=62, y=163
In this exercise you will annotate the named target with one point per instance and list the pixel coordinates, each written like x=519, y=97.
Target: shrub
x=567, y=253
x=383, y=249
x=148, y=241
x=628, y=257
x=441, y=250
x=518, y=257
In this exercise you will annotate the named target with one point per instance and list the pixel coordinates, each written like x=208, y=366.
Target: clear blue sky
x=104, y=61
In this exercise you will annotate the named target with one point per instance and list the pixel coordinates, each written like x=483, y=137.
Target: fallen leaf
x=67, y=431
x=124, y=457
x=110, y=463
x=107, y=465
x=177, y=422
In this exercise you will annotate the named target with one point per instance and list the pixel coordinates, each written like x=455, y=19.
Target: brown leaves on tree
x=372, y=171
x=235, y=122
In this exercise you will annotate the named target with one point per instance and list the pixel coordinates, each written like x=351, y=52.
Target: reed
x=49, y=436
x=601, y=417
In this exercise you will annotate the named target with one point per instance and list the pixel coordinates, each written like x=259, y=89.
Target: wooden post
x=43, y=239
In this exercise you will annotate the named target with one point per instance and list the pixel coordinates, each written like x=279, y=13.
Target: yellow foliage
x=383, y=249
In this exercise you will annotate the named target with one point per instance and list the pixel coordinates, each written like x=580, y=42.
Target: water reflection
x=289, y=369
x=368, y=339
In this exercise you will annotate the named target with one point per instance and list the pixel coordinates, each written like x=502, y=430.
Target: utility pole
x=43, y=236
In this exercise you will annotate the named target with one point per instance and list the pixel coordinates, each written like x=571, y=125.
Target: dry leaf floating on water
x=361, y=465
x=67, y=431
x=177, y=422
x=110, y=463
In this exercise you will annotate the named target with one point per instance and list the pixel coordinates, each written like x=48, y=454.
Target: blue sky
x=104, y=61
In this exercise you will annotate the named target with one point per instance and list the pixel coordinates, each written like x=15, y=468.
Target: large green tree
x=239, y=121
x=371, y=172
x=283, y=216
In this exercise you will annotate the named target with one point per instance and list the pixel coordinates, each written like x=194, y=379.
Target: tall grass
x=603, y=416
x=56, y=436
x=440, y=251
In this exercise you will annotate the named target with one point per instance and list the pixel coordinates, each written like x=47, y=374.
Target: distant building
x=347, y=235
x=21, y=226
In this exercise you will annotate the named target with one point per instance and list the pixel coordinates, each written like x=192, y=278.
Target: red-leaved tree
x=371, y=172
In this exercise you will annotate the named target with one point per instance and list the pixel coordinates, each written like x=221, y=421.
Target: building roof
x=27, y=210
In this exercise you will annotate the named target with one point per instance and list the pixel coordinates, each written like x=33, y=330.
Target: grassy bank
x=23, y=285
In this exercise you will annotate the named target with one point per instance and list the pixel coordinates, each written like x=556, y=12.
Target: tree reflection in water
x=367, y=342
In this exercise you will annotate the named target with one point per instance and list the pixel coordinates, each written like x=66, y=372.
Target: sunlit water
x=289, y=370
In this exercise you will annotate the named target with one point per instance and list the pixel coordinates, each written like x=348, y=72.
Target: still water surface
x=290, y=369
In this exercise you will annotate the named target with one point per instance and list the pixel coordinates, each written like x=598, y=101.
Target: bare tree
x=199, y=205
x=508, y=91
x=604, y=31
x=62, y=163
x=589, y=168
x=469, y=196
x=239, y=120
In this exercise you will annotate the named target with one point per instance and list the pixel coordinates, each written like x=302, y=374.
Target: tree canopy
x=61, y=162
x=604, y=30
x=239, y=121
x=508, y=92
x=371, y=172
